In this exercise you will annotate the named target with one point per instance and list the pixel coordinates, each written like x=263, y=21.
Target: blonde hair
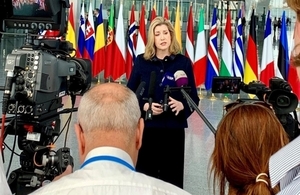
x=246, y=138
x=150, y=46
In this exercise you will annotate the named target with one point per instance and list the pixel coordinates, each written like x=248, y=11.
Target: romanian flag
x=110, y=43
x=251, y=65
x=99, y=51
x=71, y=30
x=177, y=25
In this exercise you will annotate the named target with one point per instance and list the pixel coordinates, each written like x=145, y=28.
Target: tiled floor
x=199, y=143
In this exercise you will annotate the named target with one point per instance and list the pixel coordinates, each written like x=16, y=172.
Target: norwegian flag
x=131, y=44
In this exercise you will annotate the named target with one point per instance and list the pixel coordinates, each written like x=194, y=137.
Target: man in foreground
x=109, y=133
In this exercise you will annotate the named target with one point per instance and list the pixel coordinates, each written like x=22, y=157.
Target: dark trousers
x=162, y=155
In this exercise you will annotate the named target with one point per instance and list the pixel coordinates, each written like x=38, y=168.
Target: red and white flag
x=189, y=45
x=142, y=40
x=119, y=56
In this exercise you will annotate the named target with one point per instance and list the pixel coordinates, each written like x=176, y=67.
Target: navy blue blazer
x=141, y=72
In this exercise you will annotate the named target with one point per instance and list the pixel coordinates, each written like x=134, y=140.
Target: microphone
x=140, y=90
x=181, y=78
x=167, y=81
x=151, y=90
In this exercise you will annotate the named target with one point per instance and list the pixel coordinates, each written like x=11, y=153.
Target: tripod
x=192, y=105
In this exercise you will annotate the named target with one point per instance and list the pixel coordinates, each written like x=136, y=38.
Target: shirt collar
x=110, y=151
x=283, y=161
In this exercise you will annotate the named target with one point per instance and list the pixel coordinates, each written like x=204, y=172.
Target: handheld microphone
x=181, y=78
x=151, y=90
x=167, y=81
x=140, y=90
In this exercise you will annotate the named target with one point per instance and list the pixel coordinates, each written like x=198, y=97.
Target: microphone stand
x=192, y=104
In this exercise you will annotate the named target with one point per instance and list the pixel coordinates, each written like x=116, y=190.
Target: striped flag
x=212, y=69
x=89, y=36
x=99, y=51
x=201, y=52
x=71, y=30
x=177, y=26
x=110, y=43
x=131, y=44
x=189, y=44
x=267, y=62
x=166, y=12
x=251, y=65
x=81, y=34
x=283, y=56
x=142, y=39
x=226, y=62
x=119, y=55
x=153, y=12
x=238, y=60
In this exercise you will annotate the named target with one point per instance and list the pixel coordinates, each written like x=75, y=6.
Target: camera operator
x=284, y=166
x=109, y=134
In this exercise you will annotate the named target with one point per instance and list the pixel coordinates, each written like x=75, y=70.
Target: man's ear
x=81, y=142
x=139, y=133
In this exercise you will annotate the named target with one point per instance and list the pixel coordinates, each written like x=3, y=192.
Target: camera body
x=279, y=94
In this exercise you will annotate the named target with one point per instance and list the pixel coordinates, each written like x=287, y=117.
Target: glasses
x=230, y=106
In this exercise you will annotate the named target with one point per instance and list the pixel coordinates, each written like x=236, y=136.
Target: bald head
x=109, y=107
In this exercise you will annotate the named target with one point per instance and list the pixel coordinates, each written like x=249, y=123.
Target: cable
x=73, y=100
x=15, y=140
x=7, y=146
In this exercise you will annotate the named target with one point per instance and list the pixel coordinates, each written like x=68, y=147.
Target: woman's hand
x=175, y=105
x=156, y=108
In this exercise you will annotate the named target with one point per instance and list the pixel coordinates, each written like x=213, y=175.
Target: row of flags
x=115, y=57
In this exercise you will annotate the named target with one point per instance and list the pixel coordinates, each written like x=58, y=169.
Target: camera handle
x=192, y=104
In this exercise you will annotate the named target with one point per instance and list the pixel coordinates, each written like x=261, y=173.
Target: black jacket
x=141, y=72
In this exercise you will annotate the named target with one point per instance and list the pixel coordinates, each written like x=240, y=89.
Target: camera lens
x=283, y=101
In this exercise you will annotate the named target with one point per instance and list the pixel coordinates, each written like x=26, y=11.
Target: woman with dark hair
x=162, y=151
x=246, y=138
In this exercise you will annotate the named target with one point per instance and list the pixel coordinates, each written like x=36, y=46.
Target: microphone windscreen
x=181, y=78
x=168, y=80
x=152, y=84
x=140, y=90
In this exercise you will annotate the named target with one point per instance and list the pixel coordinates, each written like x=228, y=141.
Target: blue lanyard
x=108, y=158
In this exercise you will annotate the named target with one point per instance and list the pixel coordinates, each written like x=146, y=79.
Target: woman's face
x=162, y=38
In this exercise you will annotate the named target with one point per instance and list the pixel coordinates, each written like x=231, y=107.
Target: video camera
x=39, y=75
x=278, y=94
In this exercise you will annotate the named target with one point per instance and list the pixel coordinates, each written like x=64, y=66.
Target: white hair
x=113, y=108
